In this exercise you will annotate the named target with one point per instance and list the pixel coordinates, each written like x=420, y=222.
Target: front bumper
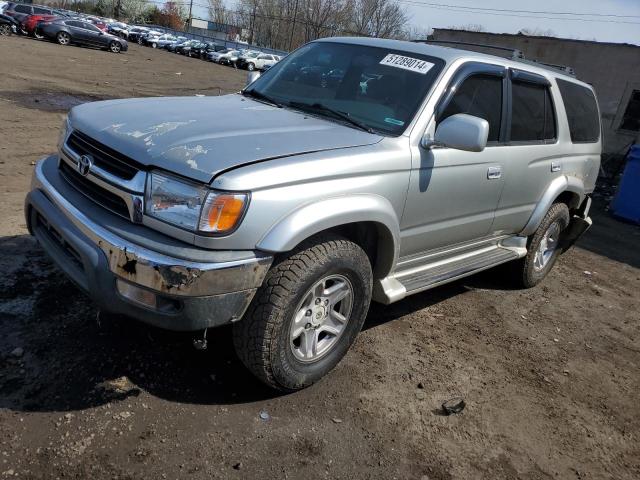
x=193, y=288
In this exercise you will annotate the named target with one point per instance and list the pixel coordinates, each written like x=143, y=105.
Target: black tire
x=528, y=271
x=251, y=67
x=262, y=338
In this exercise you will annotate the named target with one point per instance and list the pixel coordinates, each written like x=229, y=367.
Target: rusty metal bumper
x=194, y=288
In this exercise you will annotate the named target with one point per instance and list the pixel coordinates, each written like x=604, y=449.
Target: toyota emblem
x=84, y=164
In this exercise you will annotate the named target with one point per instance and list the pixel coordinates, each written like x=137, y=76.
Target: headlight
x=65, y=130
x=191, y=206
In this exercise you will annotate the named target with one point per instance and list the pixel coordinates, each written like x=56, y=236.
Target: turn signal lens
x=222, y=212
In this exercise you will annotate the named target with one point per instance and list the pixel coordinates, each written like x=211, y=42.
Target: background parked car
x=203, y=49
x=20, y=11
x=118, y=28
x=160, y=41
x=8, y=25
x=136, y=33
x=30, y=23
x=260, y=61
x=228, y=56
x=66, y=31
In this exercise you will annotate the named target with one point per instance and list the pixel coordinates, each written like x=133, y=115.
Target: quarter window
x=532, y=115
x=582, y=112
x=480, y=96
x=631, y=117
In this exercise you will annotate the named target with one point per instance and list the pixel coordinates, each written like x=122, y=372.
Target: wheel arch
x=565, y=189
x=368, y=220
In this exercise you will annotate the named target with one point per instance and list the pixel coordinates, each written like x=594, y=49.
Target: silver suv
x=353, y=170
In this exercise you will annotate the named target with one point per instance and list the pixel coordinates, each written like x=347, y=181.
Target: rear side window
x=532, y=117
x=39, y=10
x=480, y=96
x=22, y=9
x=582, y=112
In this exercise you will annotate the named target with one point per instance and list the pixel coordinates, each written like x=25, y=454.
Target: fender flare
x=332, y=212
x=558, y=186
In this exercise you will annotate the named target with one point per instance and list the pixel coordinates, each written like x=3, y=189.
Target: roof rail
x=516, y=54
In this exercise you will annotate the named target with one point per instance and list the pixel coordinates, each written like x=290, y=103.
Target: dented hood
x=199, y=137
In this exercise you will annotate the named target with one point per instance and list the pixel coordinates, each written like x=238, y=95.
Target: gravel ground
x=550, y=375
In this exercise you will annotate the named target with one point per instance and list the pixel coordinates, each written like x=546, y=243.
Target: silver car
x=353, y=170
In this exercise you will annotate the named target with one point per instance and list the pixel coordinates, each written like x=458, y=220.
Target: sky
x=603, y=20
x=589, y=27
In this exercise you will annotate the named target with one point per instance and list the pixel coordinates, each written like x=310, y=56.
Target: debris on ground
x=453, y=405
x=17, y=352
x=264, y=416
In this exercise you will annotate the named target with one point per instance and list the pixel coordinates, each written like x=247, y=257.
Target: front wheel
x=306, y=315
x=63, y=38
x=154, y=45
x=115, y=47
x=251, y=67
x=544, y=247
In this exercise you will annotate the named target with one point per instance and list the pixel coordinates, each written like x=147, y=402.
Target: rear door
x=532, y=140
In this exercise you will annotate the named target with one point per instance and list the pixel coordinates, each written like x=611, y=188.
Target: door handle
x=556, y=166
x=494, y=173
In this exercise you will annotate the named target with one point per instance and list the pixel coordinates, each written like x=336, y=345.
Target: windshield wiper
x=261, y=96
x=337, y=113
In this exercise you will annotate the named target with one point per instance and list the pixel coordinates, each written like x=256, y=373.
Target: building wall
x=613, y=70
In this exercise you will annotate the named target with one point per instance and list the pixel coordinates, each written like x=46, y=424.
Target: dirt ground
x=550, y=375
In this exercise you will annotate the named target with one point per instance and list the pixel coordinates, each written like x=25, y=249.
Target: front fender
x=564, y=183
x=334, y=212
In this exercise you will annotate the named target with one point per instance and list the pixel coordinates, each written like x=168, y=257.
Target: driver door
x=453, y=194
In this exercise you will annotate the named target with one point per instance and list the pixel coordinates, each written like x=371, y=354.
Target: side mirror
x=252, y=77
x=461, y=132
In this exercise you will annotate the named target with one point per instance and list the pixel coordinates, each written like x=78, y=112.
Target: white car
x=227, y=56
x=259, y=62
x=161, y=41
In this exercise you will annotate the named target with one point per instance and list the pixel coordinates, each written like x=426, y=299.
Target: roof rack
x=516, y=54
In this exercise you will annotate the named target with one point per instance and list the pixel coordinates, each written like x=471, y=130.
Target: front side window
x=381, y=89
x=532, y=115
x=582, y=112
x=480, y=96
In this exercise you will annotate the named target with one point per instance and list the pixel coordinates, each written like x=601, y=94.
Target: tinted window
x=41, y=10
x=22, y=9
x=90, y=26
x=379, y=88
x=582, y=112
x=532, y=117
x=480, y=96
x=631, y=117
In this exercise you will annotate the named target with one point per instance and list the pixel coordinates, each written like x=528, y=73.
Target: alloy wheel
x=547, y=247
x=321, y=318
x=115, y=47
x=63, y=38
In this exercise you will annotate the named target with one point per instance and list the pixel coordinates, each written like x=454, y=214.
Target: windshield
x=377, y=87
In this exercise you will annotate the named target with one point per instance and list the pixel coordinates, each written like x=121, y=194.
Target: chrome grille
x=104, y=157
x=94, y=192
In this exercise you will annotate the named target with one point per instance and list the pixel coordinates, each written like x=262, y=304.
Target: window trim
x=465, y=71
x=521, y=76
x=564, y=103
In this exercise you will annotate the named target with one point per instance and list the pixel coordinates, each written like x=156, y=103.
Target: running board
x=423, y=277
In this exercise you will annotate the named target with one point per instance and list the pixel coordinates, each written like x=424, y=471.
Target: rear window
x=582, y=112
x=533, y=118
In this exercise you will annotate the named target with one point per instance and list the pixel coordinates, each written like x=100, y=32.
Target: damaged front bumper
x=173, y=286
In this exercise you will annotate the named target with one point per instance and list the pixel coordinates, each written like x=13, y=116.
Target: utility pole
x=253, y=21
x=190, y=10
x=293, y=25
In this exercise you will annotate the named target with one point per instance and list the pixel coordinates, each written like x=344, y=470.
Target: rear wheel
x=544, y=247
x=63, y=38
x=37, y=34
x=251, y=67
x=154, y=45
x=5, y=29
x=307, y=314
x=115, y=47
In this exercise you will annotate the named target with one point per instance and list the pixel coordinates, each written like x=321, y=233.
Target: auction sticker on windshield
x=406, y=63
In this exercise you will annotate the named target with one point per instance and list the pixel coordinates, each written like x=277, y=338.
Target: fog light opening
x=137, y=295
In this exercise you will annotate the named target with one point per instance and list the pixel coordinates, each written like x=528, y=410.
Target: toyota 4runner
x=353, y=170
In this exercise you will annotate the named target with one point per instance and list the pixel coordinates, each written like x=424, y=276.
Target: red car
x=30, y=23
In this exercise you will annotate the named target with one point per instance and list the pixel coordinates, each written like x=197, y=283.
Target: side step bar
x=440, y=271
